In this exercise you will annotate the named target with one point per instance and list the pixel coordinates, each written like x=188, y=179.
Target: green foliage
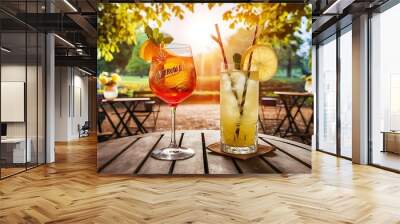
x=136, y=65
x=117, y=23
x=157, y=37
x=115, y=26
x=276, y=21
x=103, y=66
x=121, y=59
x=132, y=84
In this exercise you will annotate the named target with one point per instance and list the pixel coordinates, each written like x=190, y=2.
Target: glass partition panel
x=41, y=99
x=385, y=84
x=31, y=98
x=22, y=88
x=346, y=94
x=14, y=150
x=327, y=96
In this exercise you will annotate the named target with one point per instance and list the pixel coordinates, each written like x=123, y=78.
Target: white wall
x=71, y=102
x=16, y=73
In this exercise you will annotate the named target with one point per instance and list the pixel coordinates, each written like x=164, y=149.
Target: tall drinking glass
x=172, y=78
x=238, y=110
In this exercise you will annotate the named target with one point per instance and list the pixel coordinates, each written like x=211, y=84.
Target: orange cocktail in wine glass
x=172, y=78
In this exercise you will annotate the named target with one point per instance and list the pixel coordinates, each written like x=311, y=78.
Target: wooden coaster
x=261, y=150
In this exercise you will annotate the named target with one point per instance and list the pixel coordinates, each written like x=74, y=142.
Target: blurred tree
x=121, y=59
x=279, y=25
x=103, y=66
x=276, y=21
x=291, y=54
x=117, y=23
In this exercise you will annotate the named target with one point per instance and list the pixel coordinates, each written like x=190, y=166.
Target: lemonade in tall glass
x=239, y=115
x=239, y=94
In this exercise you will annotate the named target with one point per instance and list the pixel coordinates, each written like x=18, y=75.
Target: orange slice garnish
x=148, y=50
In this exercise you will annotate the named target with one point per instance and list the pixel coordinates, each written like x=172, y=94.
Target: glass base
x=239, y=150
x=172, y=153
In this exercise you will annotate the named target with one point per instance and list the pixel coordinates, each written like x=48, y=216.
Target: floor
x=10, y=171
x=70, y=191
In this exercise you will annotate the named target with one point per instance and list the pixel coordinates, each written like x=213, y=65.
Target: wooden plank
x=297, y=153
x=117, y=155
x=107, y=150
x=155, y=166
x=254, y=165
x=193, y=165
x=132, y=157
x=217, y=164
x=285, y=163
x=298, y=144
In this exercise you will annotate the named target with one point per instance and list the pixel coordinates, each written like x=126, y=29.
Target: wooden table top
x=391, y=132
x=294, y=93
x=133, y=99
x=132, y=156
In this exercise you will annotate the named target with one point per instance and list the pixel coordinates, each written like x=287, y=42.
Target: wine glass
x=172, y=78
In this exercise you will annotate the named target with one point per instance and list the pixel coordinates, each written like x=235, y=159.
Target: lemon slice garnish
x=263, y=60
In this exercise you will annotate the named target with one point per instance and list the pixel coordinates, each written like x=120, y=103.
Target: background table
x=295, y=100
x=129, y=105
x=132, y=156
x=14, y=151
x=391, y=141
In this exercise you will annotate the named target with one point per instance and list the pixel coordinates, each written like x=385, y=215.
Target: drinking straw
x=218, y=39
x=221, y=46
x=248, y=74
x=241, y=107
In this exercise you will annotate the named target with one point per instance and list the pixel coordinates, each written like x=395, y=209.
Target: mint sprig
x=157, y=37
x=237, y=58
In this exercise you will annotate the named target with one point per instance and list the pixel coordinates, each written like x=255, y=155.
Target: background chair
x=84, y=129
x=149, y=109
x=270, y=109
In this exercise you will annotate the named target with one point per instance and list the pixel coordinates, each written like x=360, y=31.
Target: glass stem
x=173, y=140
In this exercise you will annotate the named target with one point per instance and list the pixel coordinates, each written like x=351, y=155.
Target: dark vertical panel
x=69, y=93
x=338, y=72
x=45, y=88
x=80, y=102
x=316, y=126
x=369, y=79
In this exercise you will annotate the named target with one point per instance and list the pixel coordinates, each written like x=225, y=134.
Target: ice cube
x=228, y=101
x=250, y=110
x=239, y=80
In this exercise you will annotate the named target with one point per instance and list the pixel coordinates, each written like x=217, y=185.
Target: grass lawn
x=135, y=79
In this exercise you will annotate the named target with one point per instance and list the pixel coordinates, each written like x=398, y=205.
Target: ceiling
x=332, y=15
x=74, y=22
